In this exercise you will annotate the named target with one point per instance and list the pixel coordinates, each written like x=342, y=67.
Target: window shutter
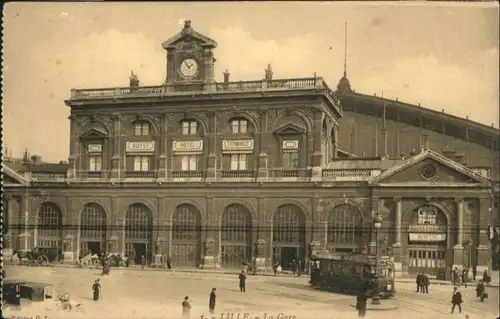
x=242, y=162
x=145, y=163
x=177, y=163
x=137, y=129
x=193, y=127
x=192, y=163
x=185, y=163
x=243, y=126
x=234, y=162
x=137, y=163
x=145, y=129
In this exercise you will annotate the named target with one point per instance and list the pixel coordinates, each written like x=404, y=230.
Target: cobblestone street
x=158, y=294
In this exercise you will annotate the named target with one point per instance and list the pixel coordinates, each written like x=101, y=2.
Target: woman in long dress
x=96, y=288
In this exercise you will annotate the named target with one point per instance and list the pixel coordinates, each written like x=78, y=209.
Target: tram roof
x=356, y=257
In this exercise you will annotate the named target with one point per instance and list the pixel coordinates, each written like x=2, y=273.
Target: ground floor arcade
x=421, y=234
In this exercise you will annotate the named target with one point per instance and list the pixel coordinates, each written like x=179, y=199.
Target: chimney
x=36, y=159
x=134, y=80
x=269, y=73
x=25, y=156
x=426, y=142
x=226, y=77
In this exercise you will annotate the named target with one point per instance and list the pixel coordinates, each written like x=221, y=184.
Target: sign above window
x=192, y=146
x=94, y=148
x=427, y=237
x=140, y=147
x=290, y=145
x=238, y=146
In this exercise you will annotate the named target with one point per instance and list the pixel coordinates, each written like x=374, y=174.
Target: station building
x=260, y=171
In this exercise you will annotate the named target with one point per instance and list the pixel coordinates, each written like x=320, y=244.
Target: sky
x=443, y=56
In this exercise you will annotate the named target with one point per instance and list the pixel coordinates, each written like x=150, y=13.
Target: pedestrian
x=143, y=261
x=211, y=301
x=474, y=272
x=275, y=268
x=455, y=277
x=293, y=266
x=243, y=279
x=465, y=276
x=299, y=268
x=361, y=303
x=186, y=307
x=480, y=291
x=96, y=289
x=169, y=263
x=418, y=281
x=456, y=300
x=425, y=283
x=486, y=278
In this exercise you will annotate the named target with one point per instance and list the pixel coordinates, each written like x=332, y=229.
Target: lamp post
x=377, y=223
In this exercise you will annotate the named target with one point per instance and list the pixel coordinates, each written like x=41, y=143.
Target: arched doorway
x=236, y=236
x=139, y=232
x=427, y=241
x=289, y=236
x=93, y=229
x=344, y=232
x=49, y=226
x=186, y=236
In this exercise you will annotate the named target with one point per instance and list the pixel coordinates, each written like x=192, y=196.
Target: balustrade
x=286, y=84
x=238, y=174
x=141, y=174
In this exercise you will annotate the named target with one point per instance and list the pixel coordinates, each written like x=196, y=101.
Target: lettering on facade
x=188, y=146
x=140, y=147
x=427, y=237
x=94, y=148
x=238, y=146
x=290, y=145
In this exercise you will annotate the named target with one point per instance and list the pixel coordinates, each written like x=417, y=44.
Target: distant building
x=259, y=171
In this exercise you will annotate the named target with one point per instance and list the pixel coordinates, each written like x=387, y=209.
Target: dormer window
x=239, y=126
x=189, y=127
x=141, y=128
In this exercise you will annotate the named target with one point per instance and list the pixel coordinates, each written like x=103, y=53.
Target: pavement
x=158, y=294
x=259, y=273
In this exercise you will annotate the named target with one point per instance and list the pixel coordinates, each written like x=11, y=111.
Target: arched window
x=93, y=228
x=189, y=127
x=186, y=223
x=236, y=224
x=239, y=126
x=427, y=214
x=344, y=222
x=49, y=226
x=141, y=128
x=289, y=225
x=138, y=223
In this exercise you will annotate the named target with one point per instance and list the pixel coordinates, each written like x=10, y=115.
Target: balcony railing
x=349, y=174
x=141, y=174
x=427, y=228
x=188, y=175
x=233, y=174
x=275, y=174
x=176, y=89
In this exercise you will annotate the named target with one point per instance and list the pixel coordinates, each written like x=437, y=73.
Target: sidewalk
x=222, y=271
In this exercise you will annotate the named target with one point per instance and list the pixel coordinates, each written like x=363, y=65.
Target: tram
x=352, y=272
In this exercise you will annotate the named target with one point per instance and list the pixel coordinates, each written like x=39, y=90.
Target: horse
x=22, y=254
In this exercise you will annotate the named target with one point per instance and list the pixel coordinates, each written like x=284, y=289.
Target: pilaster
x=72, y=146
x=116, y=157
x=212, y=147
x=458, y=248
x=396, y=247
x=317, y=155
x=484, y=244
x=162, y=169
x=262, y=172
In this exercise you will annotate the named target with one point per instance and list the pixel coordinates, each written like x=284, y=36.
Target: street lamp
x=377, y=223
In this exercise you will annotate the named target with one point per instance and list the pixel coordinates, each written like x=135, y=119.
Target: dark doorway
x=94, y=247
x=288, y=254
x=140, y=250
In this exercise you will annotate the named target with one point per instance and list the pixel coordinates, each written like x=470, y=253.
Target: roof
x=428, y=153
x=429, y=112
x=186, y=32
x=36, y=285
x=39, y=168
x=363, y=163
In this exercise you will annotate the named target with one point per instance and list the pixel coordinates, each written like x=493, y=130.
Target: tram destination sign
x=427, y=237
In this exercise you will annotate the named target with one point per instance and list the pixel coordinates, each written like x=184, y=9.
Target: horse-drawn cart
x=38, y=256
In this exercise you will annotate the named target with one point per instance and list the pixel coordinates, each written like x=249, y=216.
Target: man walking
x=211, y=301
x=186, y=307
x=361, y=303
x=456, y=300
x=243, y=279
x=418, y=281
x=425, y=283
x=143, y=262
x=96, y=289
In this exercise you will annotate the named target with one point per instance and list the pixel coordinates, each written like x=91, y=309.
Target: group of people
x=186, y=304
x=423, y=283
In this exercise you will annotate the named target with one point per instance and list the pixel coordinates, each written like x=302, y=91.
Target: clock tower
x=189, y=57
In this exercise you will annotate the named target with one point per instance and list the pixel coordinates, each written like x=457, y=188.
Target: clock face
x=189, y=67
